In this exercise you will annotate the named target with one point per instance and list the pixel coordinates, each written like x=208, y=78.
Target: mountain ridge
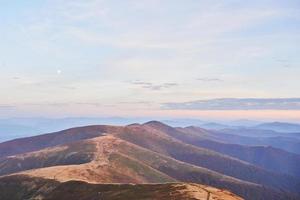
x=126, y=151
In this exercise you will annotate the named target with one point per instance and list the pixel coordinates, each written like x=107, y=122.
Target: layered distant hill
x=87, y=159
x=253, y=137
x=280, y=127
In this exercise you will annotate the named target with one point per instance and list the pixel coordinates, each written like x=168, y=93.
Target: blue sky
x=131, y=58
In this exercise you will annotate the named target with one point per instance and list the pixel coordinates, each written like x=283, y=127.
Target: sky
x=173, y=58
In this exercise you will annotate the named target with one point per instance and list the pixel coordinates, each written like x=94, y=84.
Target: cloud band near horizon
x=236, y=104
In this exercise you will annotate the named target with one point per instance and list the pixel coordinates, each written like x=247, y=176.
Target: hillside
x=34, y=143
x=108, y=164
x=267, y=157
x=148, y=153
x=287, y=162
x=117, y=161
x=13, y=188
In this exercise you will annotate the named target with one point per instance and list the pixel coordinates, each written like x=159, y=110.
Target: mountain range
x=13, y=128
x=139, y=160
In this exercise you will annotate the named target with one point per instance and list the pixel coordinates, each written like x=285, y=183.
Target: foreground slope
x=24, y=187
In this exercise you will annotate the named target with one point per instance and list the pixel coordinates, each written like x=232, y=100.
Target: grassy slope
x=191, y=173
x=159, y=142
x=35, y=143
x=129, y=163
x=71, y=154
x=23, y=187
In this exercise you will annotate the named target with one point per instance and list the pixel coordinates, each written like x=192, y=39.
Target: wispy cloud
x=7, y=109
x=152, y=86
x=283, y=62
x=237, y=104
x=206, y=79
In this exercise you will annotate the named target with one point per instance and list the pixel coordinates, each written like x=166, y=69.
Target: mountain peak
x=155, y=123
x=134, y=124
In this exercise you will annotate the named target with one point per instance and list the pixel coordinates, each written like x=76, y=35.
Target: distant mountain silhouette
x=280, y=127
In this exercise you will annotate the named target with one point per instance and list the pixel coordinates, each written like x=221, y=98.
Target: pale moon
x=58, y=72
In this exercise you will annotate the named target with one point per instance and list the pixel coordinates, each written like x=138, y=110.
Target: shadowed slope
x=23, y=187
x=159, y=141
x=269, y=158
